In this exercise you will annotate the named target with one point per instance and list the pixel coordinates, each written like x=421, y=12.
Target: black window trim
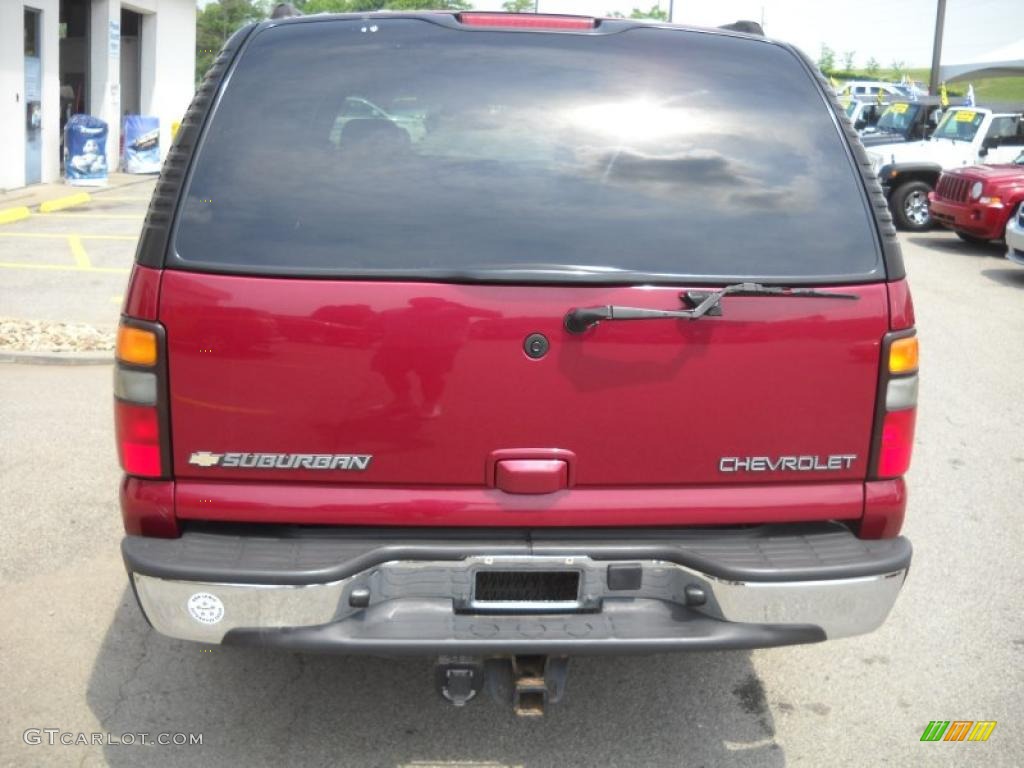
x=888, y=266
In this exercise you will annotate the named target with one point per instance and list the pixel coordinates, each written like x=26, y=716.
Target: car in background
x=904, y=120
x=977, y=202
x=864, y=89
x=865, y=114
x=1015, y=237
x=908, y=171
x=356, y=108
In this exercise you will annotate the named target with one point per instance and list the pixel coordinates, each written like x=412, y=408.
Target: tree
x=654, y=13
x=217, y=22
x=518, y=6
x=220, y=19
x=848, y=60
x=898, y=66
x=872, y=66
x=827, y=59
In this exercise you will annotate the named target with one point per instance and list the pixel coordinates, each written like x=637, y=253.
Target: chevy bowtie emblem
x=205, y=459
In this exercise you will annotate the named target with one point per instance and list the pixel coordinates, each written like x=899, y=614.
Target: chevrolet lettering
x=786, y=463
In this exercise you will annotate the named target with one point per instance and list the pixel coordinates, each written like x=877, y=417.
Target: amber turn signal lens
x=136, y=346
x=903, y=355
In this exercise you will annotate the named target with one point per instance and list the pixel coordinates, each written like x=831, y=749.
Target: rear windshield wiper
x=702, y=303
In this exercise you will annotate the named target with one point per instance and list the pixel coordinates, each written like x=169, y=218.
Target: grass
x=1009, y=89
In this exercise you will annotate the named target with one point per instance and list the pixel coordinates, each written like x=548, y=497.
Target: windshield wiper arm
x=580, y=319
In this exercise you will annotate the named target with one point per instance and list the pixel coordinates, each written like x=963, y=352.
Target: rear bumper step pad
x=286, y=555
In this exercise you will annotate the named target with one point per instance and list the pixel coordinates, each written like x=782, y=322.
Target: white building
x=105, y=58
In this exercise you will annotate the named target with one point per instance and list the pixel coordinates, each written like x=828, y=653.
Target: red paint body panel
x=432, y=379
x=901, y=306
x=147, y=508
x=311, y=503
x=885, y=505
x=142, y=298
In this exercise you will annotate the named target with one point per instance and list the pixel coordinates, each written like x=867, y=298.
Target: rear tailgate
x=431, y=380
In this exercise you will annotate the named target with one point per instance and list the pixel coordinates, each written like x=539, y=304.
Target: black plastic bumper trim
x=281, y=555
x=428, y=627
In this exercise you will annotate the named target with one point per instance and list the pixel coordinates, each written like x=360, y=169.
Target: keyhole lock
x=536, y=345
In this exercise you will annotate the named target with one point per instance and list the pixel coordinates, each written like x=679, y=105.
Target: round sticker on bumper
x=205, y=608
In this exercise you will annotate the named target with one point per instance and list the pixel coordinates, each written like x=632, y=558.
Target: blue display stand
x=140, y=142
x=85, y=151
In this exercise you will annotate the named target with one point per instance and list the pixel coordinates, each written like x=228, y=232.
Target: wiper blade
x=580, y=319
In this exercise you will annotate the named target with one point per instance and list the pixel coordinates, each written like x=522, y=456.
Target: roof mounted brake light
x=526, y=21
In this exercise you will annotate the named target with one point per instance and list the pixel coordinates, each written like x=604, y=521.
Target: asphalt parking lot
x=71, y=265
x=77, y=656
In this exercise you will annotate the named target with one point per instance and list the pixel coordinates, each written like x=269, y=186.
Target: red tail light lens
x=897, y=406
x=897, y=443
x=140, y=407
x=138, y=439
x=526, y=21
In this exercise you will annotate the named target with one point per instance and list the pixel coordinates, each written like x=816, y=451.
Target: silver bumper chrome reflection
x=205, y=612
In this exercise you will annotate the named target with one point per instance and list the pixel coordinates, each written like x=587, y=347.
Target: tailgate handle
x=531, y=475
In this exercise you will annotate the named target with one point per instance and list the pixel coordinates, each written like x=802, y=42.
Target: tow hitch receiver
x=528, y=683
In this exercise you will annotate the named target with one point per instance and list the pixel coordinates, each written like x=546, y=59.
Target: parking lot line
x=60, y=236
x=62, y=267
x=78, y=251
x=82, y=261
x=135, y=216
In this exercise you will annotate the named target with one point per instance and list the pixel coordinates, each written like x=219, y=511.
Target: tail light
x=885, y=493
x=140, y=400
x=526, y=21
x=897, y=406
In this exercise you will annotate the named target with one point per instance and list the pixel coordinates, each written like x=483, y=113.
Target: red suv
x=977, y=201
x=554, y=353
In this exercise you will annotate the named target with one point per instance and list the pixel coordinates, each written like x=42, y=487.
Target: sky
x=888, y=30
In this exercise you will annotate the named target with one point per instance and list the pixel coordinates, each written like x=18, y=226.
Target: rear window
x=399, y=148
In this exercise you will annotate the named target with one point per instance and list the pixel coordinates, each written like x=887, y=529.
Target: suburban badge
x=344, y=461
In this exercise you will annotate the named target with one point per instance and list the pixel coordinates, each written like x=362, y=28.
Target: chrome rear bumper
x=424, y=606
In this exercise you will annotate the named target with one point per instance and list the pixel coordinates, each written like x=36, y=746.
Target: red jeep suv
x=978, y=201
x=503, y=338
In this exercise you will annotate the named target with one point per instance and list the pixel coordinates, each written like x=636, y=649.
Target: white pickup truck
x=965, y=136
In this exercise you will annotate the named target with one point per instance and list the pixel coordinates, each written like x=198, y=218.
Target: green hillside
x=985, y=89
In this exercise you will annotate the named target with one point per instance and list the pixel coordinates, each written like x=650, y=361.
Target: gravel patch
x=44, y=336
